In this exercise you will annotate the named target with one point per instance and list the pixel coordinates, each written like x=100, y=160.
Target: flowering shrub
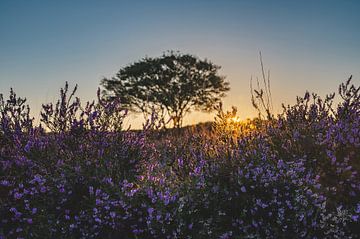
x=80, y=175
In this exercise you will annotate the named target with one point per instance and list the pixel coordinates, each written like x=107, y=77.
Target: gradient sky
x=307, y=45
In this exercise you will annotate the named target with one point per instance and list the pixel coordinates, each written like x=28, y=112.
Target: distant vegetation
x=170, y=86
x=80, y=175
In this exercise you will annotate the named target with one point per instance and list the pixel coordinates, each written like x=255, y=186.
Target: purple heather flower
x=243, y=189
x=34, y=210
x=180, y=162
x=17, y=195
x=226, y=235
x=197, y=170
x=13, y=210
x=136, y=231
x=18, y=214
x=281, y=163
x=190, y=226
x=150, y=210
x=5, y=183
x=42, y=189
x=27, y=147
x=358, y=208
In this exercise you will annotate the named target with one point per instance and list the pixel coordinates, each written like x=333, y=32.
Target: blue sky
x=307, y=45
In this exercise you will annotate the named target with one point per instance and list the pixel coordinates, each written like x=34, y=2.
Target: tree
x=171, y=85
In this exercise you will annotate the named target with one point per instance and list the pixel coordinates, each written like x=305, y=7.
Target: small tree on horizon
x=171, y=85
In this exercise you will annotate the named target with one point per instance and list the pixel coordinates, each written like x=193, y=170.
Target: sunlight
x=235, y=119
x=236, y=127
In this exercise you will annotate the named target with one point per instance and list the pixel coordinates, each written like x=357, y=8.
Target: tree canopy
x=171, y=85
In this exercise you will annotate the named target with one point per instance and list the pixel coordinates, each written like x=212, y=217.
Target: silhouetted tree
x=171, y=85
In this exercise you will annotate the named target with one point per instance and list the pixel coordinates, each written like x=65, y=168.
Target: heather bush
x=46, y=173
x=79, y=174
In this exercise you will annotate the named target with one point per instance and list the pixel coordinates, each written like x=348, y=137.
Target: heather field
x=81, y=174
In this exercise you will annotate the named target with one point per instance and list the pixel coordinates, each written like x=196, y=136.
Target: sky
x=306, y=45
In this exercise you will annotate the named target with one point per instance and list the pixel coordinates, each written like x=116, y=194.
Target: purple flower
x=42, y=189
x=18, y=214
x=358, y=208
x=137, y=231
x=27, y=147
x=98, y=220
x=243, y=189
x=281, y=164
x=17, y=195
x=34, y=210
x=5, y=183
x=197, y=170
x=180, y=162
x=226, y=235
x=150, y=210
